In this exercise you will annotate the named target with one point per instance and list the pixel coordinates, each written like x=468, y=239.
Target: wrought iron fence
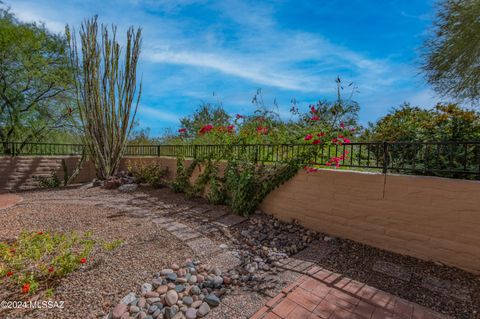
x=456, y=159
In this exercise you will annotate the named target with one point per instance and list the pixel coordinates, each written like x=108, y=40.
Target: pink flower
x=310, y=169
x=308, y=137
x=352, y=129
x=182, y=130
x=346, y=141
x=315, y=118
x=342, y=125
x=315, y=142
x=239, y=116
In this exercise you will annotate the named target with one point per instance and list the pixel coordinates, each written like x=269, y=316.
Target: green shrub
x=35, y=259
x=51, y=181
x=146, y=172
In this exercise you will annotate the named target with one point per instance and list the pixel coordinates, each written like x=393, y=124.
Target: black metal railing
x=456, y=159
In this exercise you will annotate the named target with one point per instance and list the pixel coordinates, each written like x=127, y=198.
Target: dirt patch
x=9, y=200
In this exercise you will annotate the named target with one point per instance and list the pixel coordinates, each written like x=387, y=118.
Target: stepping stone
x=315, y=252
x=162, y=221
x=215, y=214
x=392, y=270
x=446, y=288
x=185, y=234
x=230, y=220
x=199, y=210
x=175, y=226
x=297, y=265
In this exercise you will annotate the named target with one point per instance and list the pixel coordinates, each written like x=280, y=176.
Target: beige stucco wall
x=431, y=218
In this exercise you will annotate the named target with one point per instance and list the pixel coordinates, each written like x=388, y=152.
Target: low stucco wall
x=431, y=218
x=18, y=172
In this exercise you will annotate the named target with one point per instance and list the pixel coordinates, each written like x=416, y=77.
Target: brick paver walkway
x=321, y=294
x=8, y=200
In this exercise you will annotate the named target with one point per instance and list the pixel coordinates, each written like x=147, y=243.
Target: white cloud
x=150, y=113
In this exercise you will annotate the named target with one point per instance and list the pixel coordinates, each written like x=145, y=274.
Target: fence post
x=194, y=151
x=385, y=157
x=158, y=150
x=13, y=149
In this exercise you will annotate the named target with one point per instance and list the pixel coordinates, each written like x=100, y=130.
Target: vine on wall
x=244, y=185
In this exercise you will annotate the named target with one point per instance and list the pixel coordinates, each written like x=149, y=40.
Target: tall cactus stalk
x=107, y=92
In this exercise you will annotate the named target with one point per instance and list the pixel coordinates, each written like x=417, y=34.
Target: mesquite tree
x=107, y=91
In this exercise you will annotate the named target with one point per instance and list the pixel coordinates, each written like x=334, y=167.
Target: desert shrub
x=147, y=172
x=181, y=184
x=51, y=181
x=35, y=259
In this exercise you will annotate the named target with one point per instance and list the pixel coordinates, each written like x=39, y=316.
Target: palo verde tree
x=107, y=90
x=452, y=53
x=35, y=82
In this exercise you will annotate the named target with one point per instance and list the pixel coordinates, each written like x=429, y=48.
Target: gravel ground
x=93, y=290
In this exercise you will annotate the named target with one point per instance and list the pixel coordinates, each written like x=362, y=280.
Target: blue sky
x=290, y=49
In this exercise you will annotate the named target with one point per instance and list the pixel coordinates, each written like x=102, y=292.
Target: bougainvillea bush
x=36, y=259
x=250, y=173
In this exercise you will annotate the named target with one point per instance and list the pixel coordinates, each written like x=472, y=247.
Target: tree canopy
x=452, y=53
x=445, y=122
x=35, y=81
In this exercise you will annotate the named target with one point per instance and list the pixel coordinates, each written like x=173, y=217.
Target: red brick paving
x=321, y=294
x=8, y=200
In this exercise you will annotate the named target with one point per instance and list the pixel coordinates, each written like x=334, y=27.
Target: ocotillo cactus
x=107, y=91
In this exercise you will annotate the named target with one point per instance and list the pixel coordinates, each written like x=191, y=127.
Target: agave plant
x=106, y=89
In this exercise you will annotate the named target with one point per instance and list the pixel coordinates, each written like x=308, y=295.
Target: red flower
x=12, y=250
x=342, y=125
x=262, y=130
x=239, y=116
x=340, y=136
x=308, y=137
x=321, y=134
x=26, y=288
x=315, y=118
x=40, y=233
x=346, y=141
x=230, y=128
x=182, y=130
x=51, y=269
x=312, y=109
x=10, y=274
x=315, y=142
x=206, y=128
x=83, y=260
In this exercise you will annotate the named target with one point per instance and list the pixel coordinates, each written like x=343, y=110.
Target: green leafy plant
x=147, y=172
x=112, y=245
x=181, y=184
x=35, y=259
x=51, y=181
